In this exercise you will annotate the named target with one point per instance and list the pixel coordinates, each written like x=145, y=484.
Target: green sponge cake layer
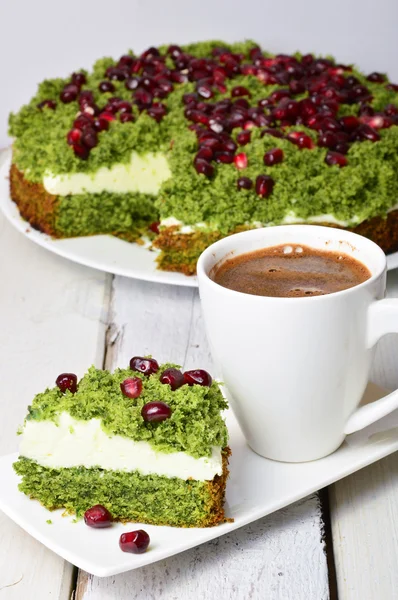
x=143, y=442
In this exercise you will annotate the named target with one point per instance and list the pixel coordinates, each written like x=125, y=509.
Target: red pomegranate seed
x=392, y=87
x=79, y=79
x=244, y=183
x=86, y=98
x=67, y=381
x=286, y=109
x=126, y=61
x=377, y=121
x=69, y=93
x=206, y=153
x=73, y=136
x=154, y=412
x=391, y=110
x=154, y=227
x=147, y=366
x=173, y=377
x=240, y=160
x=273, y=157
x=304, y=141
x=135, y=542
x=98, y=517
x=204, y=90
x=81, y=151
x=349, y=123
x=335, y=158
x=227, y=143
x=106, y=86
x=249, y=125
x=224, y=157
x=89, y=138
x=329, y=124
x=274, y=132
x=174, y=51
x=126, y=117
x=203, y=167
x=264, y=185
x=239, y=90
x=307, y=59
x=198, y=377
x=366, y=132
x=47, y=104
x=243, y=138
x=328, y=139
x=143, y=97
x=131, y=387
x=132, y=83
x=157, y=111
x=106, y=116
x=376, y=77
x=342, y=147
x=115, y=73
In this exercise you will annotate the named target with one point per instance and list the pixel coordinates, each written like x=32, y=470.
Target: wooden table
x=57, y=316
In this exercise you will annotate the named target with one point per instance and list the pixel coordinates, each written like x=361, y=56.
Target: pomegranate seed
x=126, y=61
x=67, y=381
x=132, y=83
x=173, y=377
x=376, y=77
x=329, y=124
x=157, y=111
x=154, y=412
x=244, y=183
x=240, y=160
x=277, y=95
x=335, y=158
x=143, y=97
x=327, y=140
x=106, y=116
x=273, y=157
x=243, y=138
x=224, y=157
x=152, y=52
x=342, y=147
x=227, y=143
x=131, y=387
x=198, y=377
x=178, y=77
x=286, y=109
x=239, y=90
x=366, y=132
x=248, y=69
x=304, y=141
x=81, y=151
x=307, y=59
x=190, y=99
x=206, y=153
x=203, y=167
x=147, y=366
x=391, y=110
x=204, y=90
x=47, y=104
x=89, y=138
x=86, y=98
x=154, y=227
x=98, y=517
x=392, y=87
x=349, y=123
x=264, y=185
x=115, y=73
x=255, y=52
x=274, y=132
x=377, y=121
x=249, y=125
x=307, y=108
x=69, y=93
x=126, y=117
x=106, y=86
x=79, y=79
x=136, y=542
x=296, y=87
x=174, y=51
x=73, y=136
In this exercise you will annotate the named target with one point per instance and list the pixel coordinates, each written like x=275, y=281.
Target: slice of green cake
x=148, y=443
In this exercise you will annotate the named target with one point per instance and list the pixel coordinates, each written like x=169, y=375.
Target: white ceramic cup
x=296, y=368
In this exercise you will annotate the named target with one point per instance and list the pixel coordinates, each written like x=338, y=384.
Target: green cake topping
x=195, y=425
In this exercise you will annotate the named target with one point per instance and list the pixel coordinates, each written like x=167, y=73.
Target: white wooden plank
x=281, y=556
x=364, y=506
x=52, y=319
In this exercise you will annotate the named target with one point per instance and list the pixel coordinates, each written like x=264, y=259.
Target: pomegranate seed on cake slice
x=126, y=117
x=335, y=158
x=73, y=137
x=106, y=86
x=273, y=156
x=174, y=51
x=79, y=79
x=296, y=87
x=304, y=141
x=376, y=77
x=198, y=377
x=143, y=97
x=135, y=542
x=377, y=121
x=69, y=93
x=154, y=227
x=349, y=122
x=157, y=111
x=126, y=61
x=98, y=517
x=47, y=104
x=391, y=110
x=89, y=138
x=67, y=381
x=81, y=151
x=244, y=183
x=327, y=140
x=86, y=98
x=392, y=87
x=115, y=73
x=243, y=138
x=240, y=160
x=203, y=167
x=274, y=132
x=264, y=185
x=106, y=115
x=342, y=147
x=239, y=90
x=131, y=387
x=224, y=157
x=155, y=412
x=206, y=153
x=365, y=132
x=173, y=377
x=147, y=366
x=132, y=83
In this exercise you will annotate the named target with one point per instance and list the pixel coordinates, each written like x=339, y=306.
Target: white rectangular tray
x=256, y=487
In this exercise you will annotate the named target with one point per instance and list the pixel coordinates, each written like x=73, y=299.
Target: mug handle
x=382, y=319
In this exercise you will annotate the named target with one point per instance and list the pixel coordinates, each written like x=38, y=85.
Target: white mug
x=296, y=368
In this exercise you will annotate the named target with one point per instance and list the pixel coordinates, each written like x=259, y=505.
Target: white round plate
x=103, y=252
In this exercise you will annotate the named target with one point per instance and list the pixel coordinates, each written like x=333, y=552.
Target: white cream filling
x=144, y=173
x=289, y=219
x=74, y=443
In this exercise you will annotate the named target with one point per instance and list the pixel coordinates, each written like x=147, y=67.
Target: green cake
x=148, y=443
x=190, y=144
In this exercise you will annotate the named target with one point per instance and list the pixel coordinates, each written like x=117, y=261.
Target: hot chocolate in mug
x=296, y=368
